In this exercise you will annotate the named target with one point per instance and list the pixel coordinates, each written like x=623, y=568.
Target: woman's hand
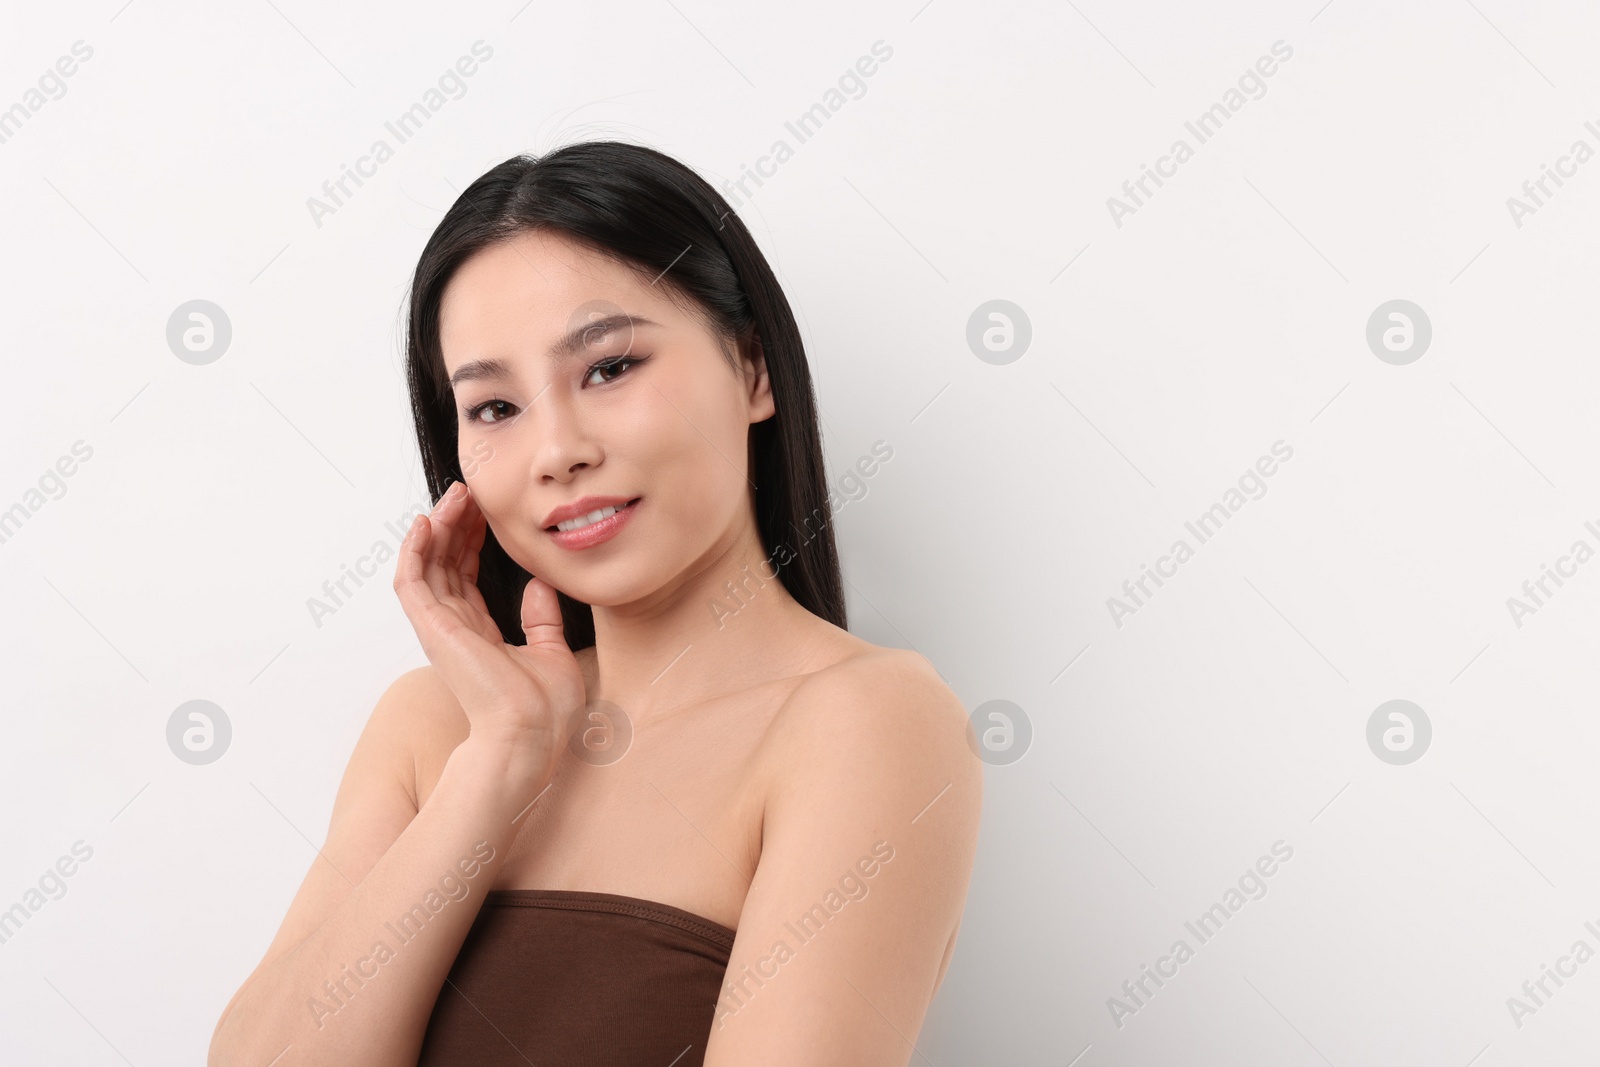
x=524, y=695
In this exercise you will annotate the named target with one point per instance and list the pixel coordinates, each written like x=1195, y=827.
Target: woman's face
x=558, y=397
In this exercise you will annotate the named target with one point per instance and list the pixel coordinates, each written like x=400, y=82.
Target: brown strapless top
x=561, y=978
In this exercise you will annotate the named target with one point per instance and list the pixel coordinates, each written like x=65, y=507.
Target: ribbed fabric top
x=561, y=978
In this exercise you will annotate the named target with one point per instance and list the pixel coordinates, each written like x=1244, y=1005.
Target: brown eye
x=474, y=414
x=618, y=367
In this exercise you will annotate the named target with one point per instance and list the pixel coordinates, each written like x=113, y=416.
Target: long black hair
x=652, y=213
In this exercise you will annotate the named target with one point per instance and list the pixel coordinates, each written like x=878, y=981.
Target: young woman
x=650, y=803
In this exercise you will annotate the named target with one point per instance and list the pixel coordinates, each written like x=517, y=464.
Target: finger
x=462, y=515
x=434, y=585
x=460, y=558
x=458, y=512
x=436, y=569
x=440, y=627
x=541, y=616
x=408, y=564
x=474, y=527
x=444, y=513
x=472, y=553
x=470, y=563
x=417, y=597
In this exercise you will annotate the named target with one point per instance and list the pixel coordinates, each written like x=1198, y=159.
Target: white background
x=1168, y=353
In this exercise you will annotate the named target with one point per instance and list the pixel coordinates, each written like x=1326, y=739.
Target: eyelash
x=476, y=410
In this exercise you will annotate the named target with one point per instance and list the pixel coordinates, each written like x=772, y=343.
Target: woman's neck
x=724, y=624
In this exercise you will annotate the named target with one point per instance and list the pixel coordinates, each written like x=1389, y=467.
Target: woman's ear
x=758, y=391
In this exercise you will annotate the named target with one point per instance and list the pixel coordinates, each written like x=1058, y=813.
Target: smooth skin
x=771, y=750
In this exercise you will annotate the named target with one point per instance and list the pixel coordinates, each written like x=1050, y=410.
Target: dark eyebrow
x=565, y=348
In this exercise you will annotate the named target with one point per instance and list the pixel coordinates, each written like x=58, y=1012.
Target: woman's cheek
x=474, y=457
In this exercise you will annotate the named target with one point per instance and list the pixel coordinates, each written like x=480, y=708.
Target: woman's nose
x=563, y=443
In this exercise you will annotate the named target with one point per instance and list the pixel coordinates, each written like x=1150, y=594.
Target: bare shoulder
x=868, y=757
x=420, y=700
x=874, y=687
x=420, y=715
x=887, y=707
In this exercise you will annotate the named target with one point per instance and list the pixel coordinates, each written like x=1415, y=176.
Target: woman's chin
x=597, y=594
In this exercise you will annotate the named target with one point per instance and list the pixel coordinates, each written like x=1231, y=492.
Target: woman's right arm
x=353, y=974
x=338, y=985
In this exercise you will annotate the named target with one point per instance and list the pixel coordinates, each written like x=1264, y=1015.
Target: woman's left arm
x=868, y=840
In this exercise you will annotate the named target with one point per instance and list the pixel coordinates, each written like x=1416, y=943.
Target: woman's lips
x=596, y=532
